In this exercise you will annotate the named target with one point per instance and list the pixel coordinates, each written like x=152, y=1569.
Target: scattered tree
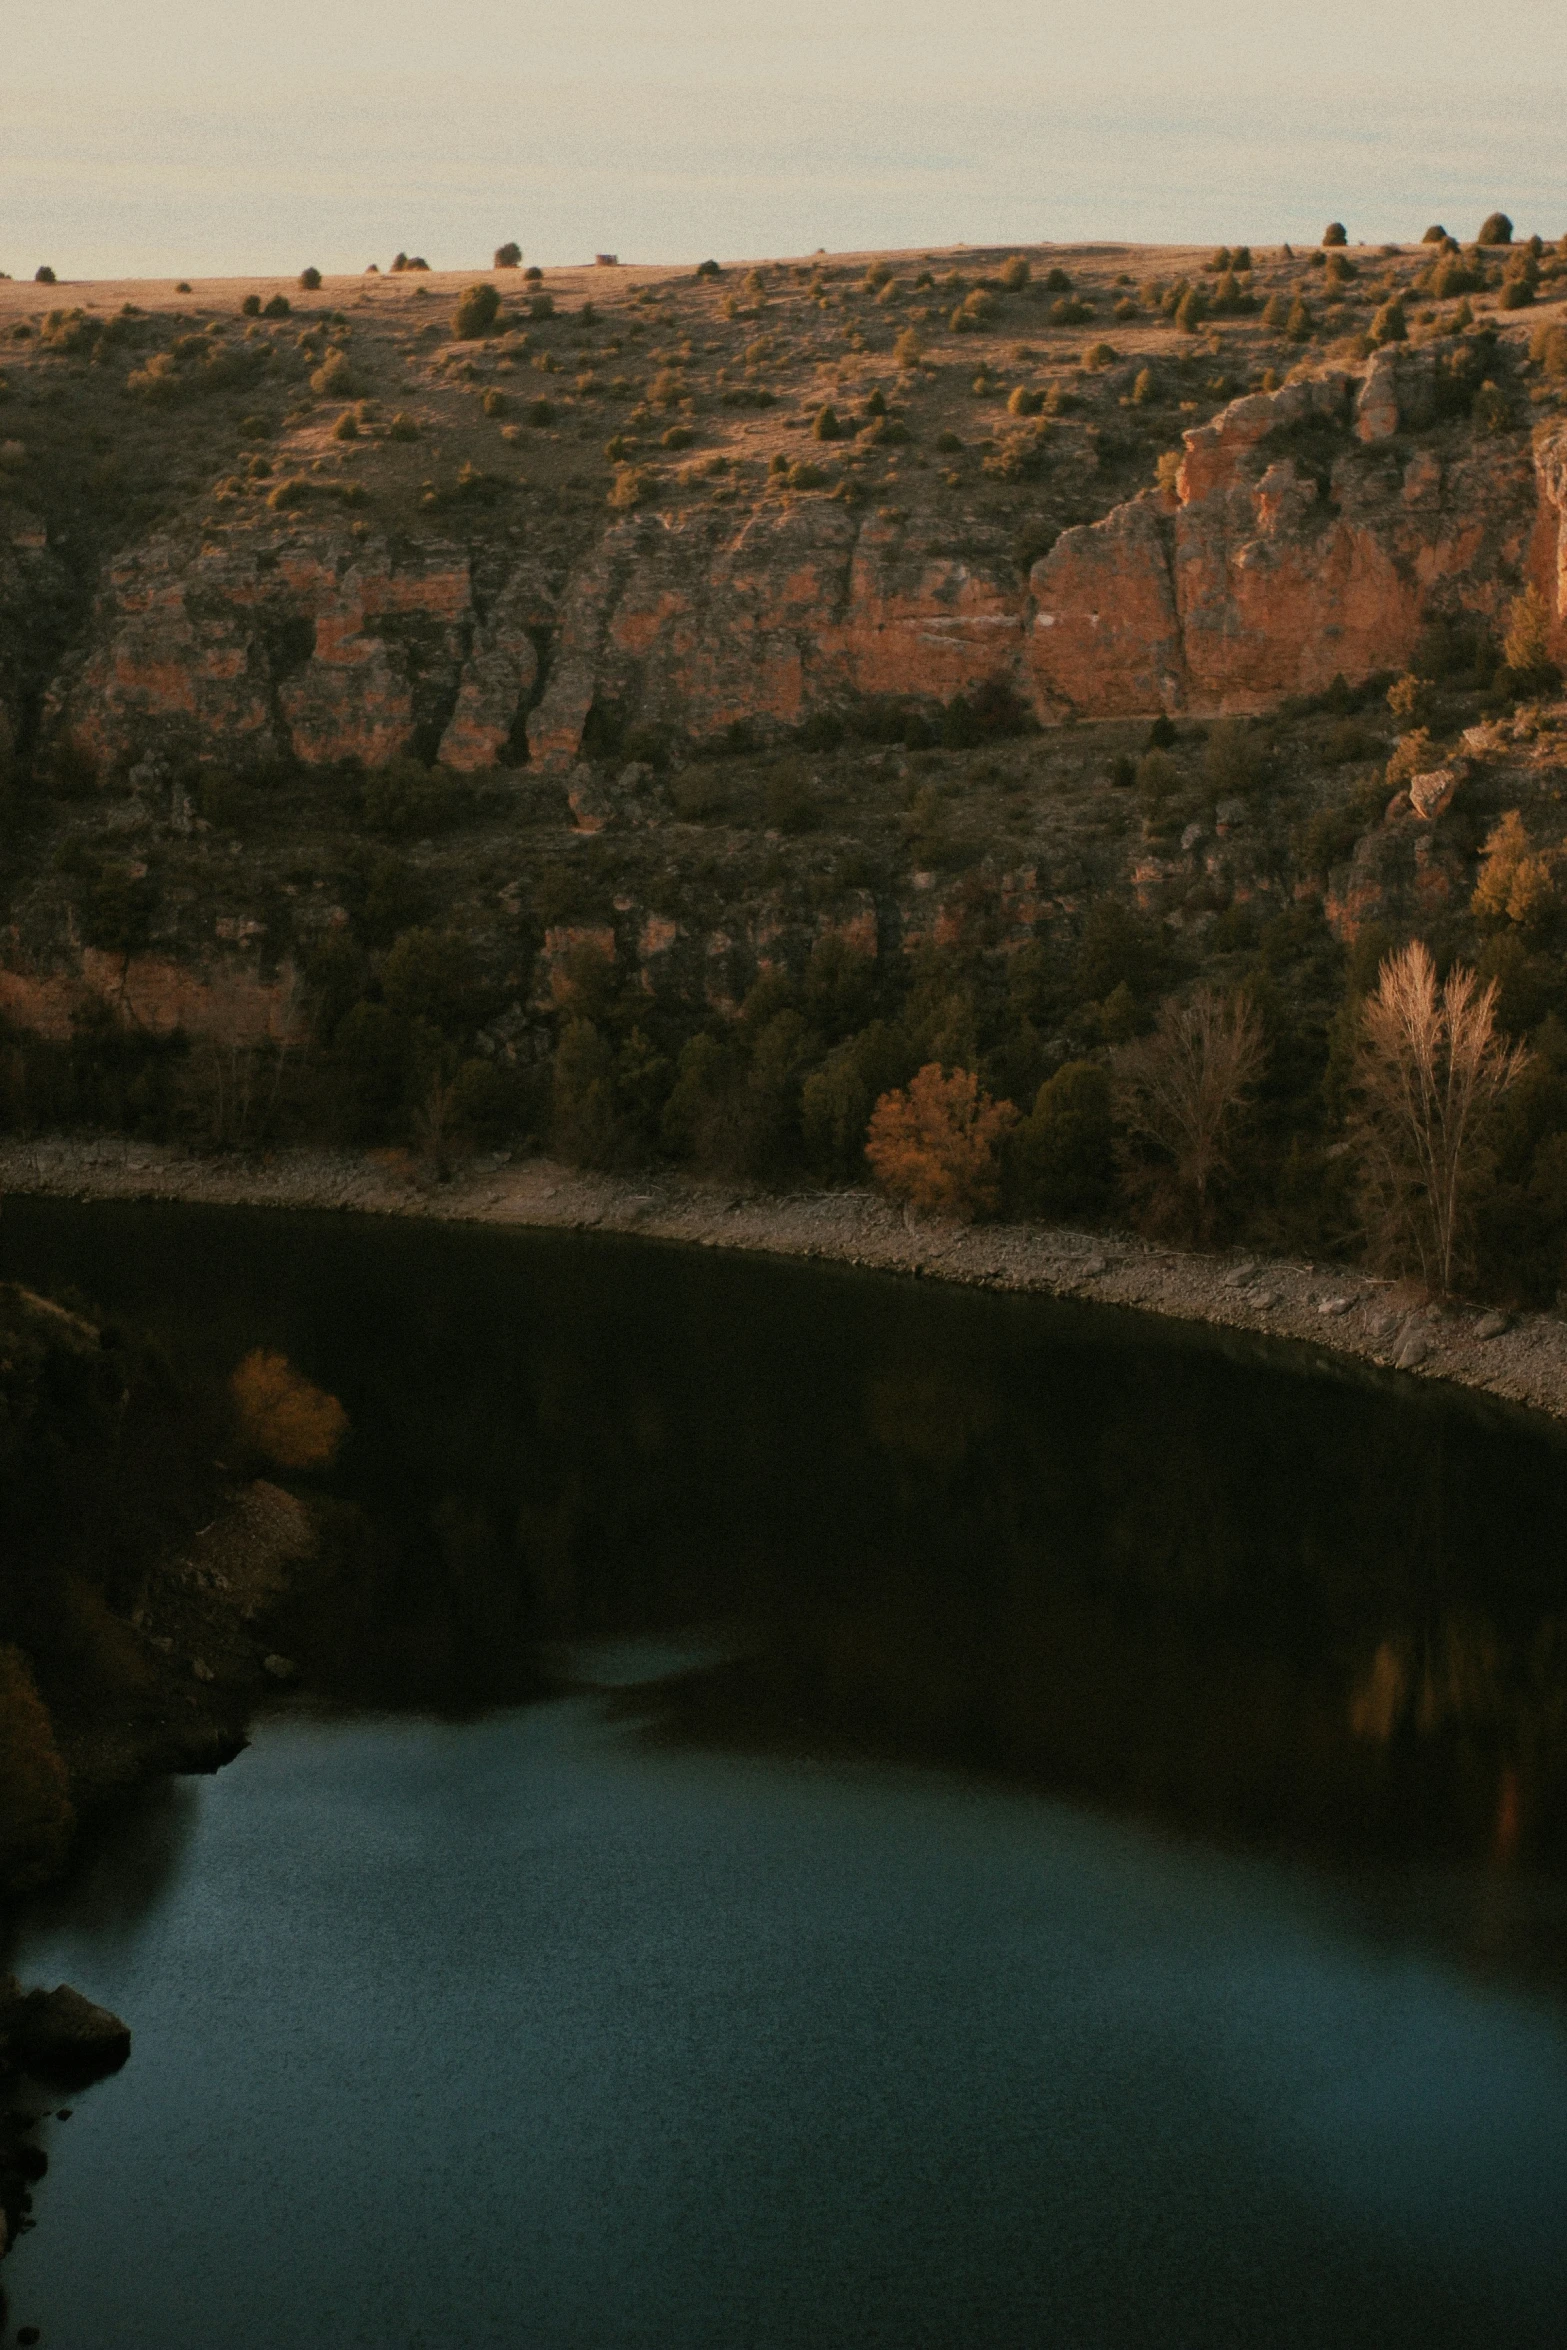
x=476, y=312
x=1526, y=647
x=1179, y=1093
x=1517, y=882
x=508, y=256
x=1430, y=1072
x=1495, y=229
x=1063, y=1148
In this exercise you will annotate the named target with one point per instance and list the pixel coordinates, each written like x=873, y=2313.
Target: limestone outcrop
x=1310, y=532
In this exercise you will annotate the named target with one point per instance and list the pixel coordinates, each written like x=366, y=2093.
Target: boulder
x=61, y=2036
x=1430, y=794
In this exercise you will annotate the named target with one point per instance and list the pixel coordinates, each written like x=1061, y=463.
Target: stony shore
x=1521, y=1358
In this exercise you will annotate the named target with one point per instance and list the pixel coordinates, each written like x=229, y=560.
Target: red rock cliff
x=1311, y=531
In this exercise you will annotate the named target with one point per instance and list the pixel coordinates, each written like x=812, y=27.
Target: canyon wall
x=1309, y=533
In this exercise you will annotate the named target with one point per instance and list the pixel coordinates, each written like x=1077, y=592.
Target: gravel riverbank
x=1521, y=1358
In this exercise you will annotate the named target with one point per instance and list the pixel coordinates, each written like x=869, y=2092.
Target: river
x=962, y=1885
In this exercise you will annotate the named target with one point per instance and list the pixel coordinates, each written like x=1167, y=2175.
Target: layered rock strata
x=1309, y=533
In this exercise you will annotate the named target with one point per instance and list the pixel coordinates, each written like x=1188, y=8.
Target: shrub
x=948, y=443
x=1516, y=882
x=1231, y=299
x=335, y=379
x=1495, y=229
x=1021, y=401
x=44, y=276
x=1100, y=355
x=495, y=402
x=631, y=485
x=976, y=311
x=679, y=436
x=1231, y=762
x=1158, y=779
x=1389, y=324
x=1070, y=312
x=1492, y=410
x=788, y=803
x=310, y=279
x=403, y=427
x=1412, y=755
x=825, y=425
x=708, y=269
x=1435, y=235
x=1526, y=646
x=1335, y=233
x=297, y=490
x=1057, y=282
x=251, y=306
x=346, y=427
x=1300, y=326
x=1016, y=273
x=542, y=306
x=507, y=256
x=476, y=312
x=1145, y=388
x=279, y=307
x=1192, y=311
x=1548, y=350
x=1451, y=277
x=908, y=350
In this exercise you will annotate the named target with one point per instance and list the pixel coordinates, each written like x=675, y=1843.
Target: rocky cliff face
x=1309, y=533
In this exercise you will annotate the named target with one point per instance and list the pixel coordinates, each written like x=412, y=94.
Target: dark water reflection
x=1171, y=1569
x=765, y=1991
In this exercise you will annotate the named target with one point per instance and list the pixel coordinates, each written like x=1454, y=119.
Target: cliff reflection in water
x=1168, y=1568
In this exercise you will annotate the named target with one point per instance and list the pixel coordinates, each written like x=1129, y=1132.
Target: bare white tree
x=1180, y=1089
x=1429, y=1074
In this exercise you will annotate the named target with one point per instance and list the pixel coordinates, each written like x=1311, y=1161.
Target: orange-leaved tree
x=936, y=1145
x=284, y=1415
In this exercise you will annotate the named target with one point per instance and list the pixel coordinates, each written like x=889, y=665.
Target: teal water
x=992, y=1927
x=520, y=2031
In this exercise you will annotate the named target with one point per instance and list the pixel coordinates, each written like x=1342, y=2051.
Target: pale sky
x=159, y=138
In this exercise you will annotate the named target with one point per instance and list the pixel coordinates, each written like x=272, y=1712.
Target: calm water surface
x=1013, y=1923
x=521, y=2032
